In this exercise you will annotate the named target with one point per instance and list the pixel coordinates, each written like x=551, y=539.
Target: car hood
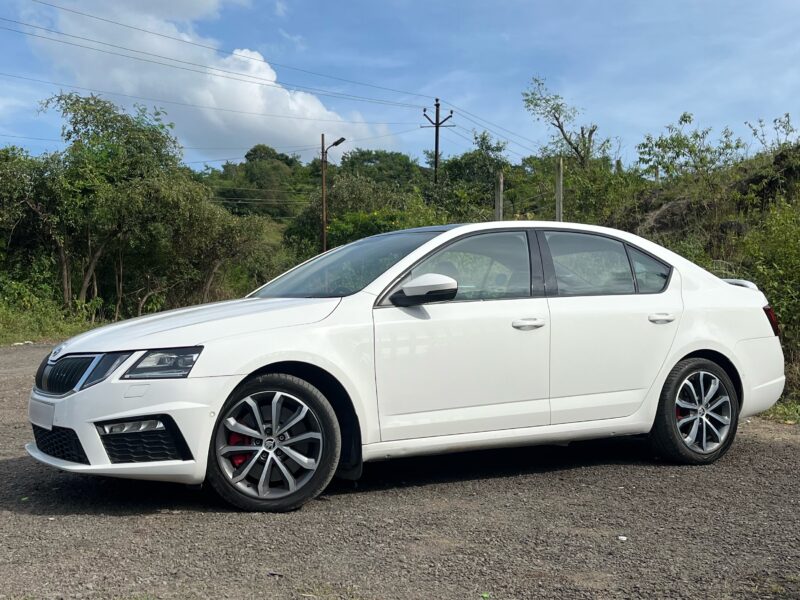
x=197, y=325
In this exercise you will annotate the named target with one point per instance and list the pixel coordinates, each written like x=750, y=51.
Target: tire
x=674, y=436
x=269, y=464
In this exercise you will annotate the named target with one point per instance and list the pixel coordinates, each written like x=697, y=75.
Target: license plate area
x=41, y=413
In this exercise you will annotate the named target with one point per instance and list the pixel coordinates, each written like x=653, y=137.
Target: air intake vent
x=63, y=375
x=60, y=442
x=150, y=439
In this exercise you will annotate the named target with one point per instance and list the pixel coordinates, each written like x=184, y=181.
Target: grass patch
x=46, y=322
x=787, y=410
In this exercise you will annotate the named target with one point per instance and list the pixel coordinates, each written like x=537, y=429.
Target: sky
x=285, y=71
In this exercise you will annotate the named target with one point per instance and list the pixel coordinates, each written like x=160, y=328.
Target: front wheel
x=697, y=414
x=275, y=446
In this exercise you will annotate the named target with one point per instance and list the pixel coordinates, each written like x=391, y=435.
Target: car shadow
x=31, y=488
x=493, y=464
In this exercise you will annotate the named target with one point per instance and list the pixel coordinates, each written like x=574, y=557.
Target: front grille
x=63, y=375
x=147, y=446
x=60, y=442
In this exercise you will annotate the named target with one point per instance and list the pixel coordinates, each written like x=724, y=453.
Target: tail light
x=773, y=320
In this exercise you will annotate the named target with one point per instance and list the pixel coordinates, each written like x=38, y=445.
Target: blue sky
x=631, y=66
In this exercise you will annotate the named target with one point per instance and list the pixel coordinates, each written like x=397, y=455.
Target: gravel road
x=592, y=520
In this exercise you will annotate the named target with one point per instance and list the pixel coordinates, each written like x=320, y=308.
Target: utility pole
x=436, y=124
x=323, y=165
x=560, y=190
x=324, y=169
x=498, y=197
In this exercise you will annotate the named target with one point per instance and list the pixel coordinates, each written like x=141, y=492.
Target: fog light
x=130, y=427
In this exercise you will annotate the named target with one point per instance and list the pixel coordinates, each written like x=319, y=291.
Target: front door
x=479, y=362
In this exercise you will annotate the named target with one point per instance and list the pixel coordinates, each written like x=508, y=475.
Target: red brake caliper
x=237, y=439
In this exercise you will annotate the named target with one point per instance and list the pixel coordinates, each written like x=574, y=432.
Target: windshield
x=347, y=269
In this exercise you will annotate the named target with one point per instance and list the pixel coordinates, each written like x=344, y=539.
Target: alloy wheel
x=703, y=412
x=269, y=444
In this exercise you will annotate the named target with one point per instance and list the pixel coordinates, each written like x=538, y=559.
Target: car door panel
x=461, y=367
x=606, y=350
x=477, y=363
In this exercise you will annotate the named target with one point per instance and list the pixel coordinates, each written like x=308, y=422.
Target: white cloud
x=281, y=8
x=298, y=40
x=195, y=127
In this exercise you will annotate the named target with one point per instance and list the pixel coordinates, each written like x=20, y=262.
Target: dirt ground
x=592, y=520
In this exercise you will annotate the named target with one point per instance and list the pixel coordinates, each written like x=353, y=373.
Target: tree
x=349, y=194
x=381, y=166
x=108, y=170
x=579, y=140
x=678, y=151
x=262, y=152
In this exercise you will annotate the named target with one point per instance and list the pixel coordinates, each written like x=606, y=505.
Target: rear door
x=614, y=312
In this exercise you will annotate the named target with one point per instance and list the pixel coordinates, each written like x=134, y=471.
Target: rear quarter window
x=651, y=274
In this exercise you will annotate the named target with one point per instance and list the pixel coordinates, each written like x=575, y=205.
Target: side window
x=488, y=266
x=587, y=264
x=651, y=274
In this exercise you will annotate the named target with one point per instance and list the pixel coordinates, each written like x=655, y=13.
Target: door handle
x=661, y=318
x=527, y=324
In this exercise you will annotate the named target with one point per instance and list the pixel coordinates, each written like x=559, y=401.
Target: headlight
x=164, y=364
x=107, y=365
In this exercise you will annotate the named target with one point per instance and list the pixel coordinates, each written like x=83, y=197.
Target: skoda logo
x=56, y=352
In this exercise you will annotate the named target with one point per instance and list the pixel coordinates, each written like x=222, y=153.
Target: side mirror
x=430, y=287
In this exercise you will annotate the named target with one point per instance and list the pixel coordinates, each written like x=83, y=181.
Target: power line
x=26, y=137
x=210, y=160
x=260, y=201
x=454, y=141
x=507, y=149
x=483, y=124
x=199, y=106
x=466, y=112
x=266, y=81
x=250, y=189
x=463, y=137
x=286, y=148
x=498, y=135
x=373, y=137
x=260, y=80
x=234, y=53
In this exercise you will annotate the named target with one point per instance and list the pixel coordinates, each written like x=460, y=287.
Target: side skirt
x=637, y=423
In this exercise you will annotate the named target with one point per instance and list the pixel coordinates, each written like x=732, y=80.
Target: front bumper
x=192, y=403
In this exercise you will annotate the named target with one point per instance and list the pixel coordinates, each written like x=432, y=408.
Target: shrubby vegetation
x=116, y=225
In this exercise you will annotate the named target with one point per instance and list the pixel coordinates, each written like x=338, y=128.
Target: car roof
x=429, y=228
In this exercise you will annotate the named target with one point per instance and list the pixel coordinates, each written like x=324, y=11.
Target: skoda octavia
x=421, y=341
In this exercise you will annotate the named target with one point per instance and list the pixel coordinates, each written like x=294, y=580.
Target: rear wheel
x=275, y=446
x=697, y=414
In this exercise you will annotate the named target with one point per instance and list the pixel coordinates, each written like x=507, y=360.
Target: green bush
x=774, y=253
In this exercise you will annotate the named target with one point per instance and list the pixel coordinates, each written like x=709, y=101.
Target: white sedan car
x=421, y=341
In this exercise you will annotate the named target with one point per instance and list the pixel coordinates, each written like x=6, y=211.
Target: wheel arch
x=726, y=364
x=350, y=462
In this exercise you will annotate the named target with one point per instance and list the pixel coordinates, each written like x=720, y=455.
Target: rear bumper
x=763, y=378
